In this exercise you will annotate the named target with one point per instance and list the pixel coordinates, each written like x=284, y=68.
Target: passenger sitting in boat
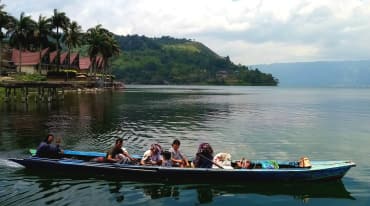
x=243, y=163
x=119, y=154
x=304, y=162
x=166, y=159
x=47, y=149
x=177, y=158
x=204, y=156
x=152, y=156
x=223, y=160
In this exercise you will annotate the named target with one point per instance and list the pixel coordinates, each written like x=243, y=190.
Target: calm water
x=251, y=122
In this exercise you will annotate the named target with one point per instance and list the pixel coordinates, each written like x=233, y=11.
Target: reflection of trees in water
x=23, y=125
x=106, y=115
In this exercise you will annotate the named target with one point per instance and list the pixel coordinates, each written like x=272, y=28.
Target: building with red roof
x=74, y=60
x=85, y=64
x=53, y=56
x=49, y=61
x=63, y=58
x=28, y=62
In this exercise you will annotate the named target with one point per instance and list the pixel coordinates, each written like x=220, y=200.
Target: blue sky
x=249, y=31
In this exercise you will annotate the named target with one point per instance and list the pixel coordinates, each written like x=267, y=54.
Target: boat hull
x=320, y=171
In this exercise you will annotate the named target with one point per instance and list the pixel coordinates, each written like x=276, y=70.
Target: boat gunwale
x=65, y=161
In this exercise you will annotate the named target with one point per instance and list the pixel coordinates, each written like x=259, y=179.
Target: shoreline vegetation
x=133, y=59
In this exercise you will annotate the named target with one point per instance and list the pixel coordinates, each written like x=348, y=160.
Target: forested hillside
x=167, y=60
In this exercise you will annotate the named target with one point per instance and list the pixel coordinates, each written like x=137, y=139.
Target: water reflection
x=114, y=188
x=92, y=122
x=256, y=123
x=49, y=186
x=159, y=191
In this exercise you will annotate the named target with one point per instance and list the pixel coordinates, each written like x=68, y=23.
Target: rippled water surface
x=251, y=122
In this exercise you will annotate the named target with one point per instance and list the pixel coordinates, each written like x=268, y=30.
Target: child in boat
x=177, y=158
x=47, y=149
x=166, y=159
x=152, y=156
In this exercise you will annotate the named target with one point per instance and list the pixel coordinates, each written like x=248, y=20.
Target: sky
x=248, y=31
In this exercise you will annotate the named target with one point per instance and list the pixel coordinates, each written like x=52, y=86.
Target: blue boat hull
x=320, y=170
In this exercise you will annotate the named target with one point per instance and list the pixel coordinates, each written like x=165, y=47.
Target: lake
x=251, y=122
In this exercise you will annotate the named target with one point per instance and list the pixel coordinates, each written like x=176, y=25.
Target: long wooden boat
x=320, y=170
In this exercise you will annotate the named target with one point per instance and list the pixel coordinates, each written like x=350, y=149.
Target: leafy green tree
x=110, y=49
x=101, y=42
x=42, y=31
x=72, y=37
x=19, y=31
x=95, y=38
x=59, y=21
x=4, y=23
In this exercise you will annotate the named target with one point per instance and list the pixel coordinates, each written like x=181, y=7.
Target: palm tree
x=111, y=49
x=101, y=42
x=19, y=31
x=41, y=33
x=59, y=20
x=72, y=37
x=95, y=39
x=4, y=22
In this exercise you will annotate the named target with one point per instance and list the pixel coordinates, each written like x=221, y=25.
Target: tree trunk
x=57, y=55
x=91, y=66
x=69, y=61
x=20, y=58
x=95, y=68
x=69, y=58
x=39, y=67
x=1, y=59
x=110, y=67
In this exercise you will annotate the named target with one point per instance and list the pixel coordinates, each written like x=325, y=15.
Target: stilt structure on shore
x=46, y=91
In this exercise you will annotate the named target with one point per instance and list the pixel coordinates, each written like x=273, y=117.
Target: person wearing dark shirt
x=118, y=154
x=47, y=149
x=204, y=156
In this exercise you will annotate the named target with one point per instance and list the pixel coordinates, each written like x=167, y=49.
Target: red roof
x=28, y=58
x=85, y=63
x=52, y=56
x=72, y=57
x=63, y=57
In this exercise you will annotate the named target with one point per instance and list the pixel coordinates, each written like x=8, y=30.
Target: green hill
x=167, y=60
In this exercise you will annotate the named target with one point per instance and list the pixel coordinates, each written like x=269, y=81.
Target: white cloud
x=250, y=31
x=268, y=52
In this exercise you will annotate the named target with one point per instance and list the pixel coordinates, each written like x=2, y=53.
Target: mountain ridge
x=346, y=73
x=167, y=60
